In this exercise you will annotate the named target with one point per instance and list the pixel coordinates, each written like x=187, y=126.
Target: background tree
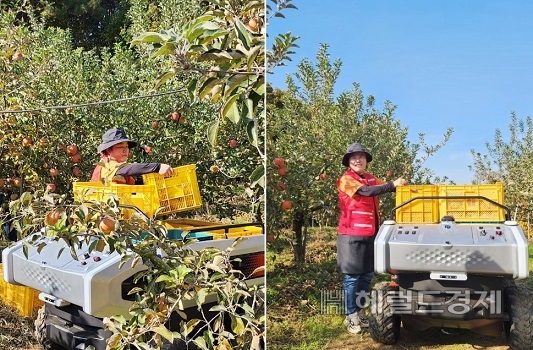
x=510, y=162
x=223, y=53
x=309, y=129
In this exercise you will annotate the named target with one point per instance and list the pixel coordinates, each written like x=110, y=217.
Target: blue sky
x=446, y=63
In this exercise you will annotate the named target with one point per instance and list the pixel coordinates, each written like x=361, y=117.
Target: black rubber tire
x=507, y=286
x=384, y=326
x=521, y=324
x=40, y=331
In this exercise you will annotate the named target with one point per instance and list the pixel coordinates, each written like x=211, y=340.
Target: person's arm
x=134, y=169
x=372, y=191
x=389, y=186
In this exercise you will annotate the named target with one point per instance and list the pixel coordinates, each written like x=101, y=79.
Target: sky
x=444, y=63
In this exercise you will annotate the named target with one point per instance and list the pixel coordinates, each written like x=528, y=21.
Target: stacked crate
x=177, y=193
x=24, y=300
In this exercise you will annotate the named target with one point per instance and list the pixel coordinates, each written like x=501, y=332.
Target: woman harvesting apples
x=358, y=225
x=113, y=166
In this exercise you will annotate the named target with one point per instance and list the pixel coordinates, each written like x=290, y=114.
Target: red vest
x=110, y=172
x=358, y=214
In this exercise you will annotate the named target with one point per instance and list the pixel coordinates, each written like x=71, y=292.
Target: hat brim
x=102, y=147
x=346, y=158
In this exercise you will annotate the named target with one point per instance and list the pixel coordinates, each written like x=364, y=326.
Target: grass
x=296, y=322
x=16, y=332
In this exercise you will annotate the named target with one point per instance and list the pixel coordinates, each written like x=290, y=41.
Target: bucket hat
x=114, y=136
x=354, y=148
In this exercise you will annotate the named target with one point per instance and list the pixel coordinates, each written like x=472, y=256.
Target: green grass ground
x=295, y=320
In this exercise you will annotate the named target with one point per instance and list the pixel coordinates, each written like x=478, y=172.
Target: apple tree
x=309, y=128
x=55, y=95
x=221, y=52
x=510, y=161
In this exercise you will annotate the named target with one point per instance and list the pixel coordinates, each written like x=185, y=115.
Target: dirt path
x=432, y=339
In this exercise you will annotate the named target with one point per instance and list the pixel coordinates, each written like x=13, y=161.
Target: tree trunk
x=258, y=214
x=299, y=243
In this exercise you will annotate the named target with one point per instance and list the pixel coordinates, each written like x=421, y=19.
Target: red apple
x=279, y=162
x=72, y=149
x=17, y=56
x=286, y=205
x=76, y=158
x=76, y=172
x=51, y=187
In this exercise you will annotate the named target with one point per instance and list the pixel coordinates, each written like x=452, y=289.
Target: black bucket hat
x=354, y=148
x=112, y=137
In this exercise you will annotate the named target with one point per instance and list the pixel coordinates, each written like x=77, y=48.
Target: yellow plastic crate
x=238, y=232
x=211, y=228
x=141, y=196
x=177, y=193
x=24, y=300
x=418, y=211
x=472, y=210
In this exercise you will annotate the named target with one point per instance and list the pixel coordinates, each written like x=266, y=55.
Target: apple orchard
x=58, y=100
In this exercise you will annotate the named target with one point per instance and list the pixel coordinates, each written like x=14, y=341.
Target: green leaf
x=164, y=332
x=191, y=89
x=200, y=296
x=100, y=245
x=256, y=50
x=248, y=110
x=207, y=86
x=218, y=308
x=196, y=27
x=208, y=36
x=214, y=267
x=216, y=93
x=164, y=77
x=191, y=324
x=234, y=82
x=150, y=37
x=212, y=132
x=167, y=49
x=221, y=56
x=135, y=290
x=237, y=326
x=258, y=177
x=114, y=340
x=251, y=130
x=244, y=36
x=200, y=342
x=183, y=271
x=230, y=109
x=165, y=278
